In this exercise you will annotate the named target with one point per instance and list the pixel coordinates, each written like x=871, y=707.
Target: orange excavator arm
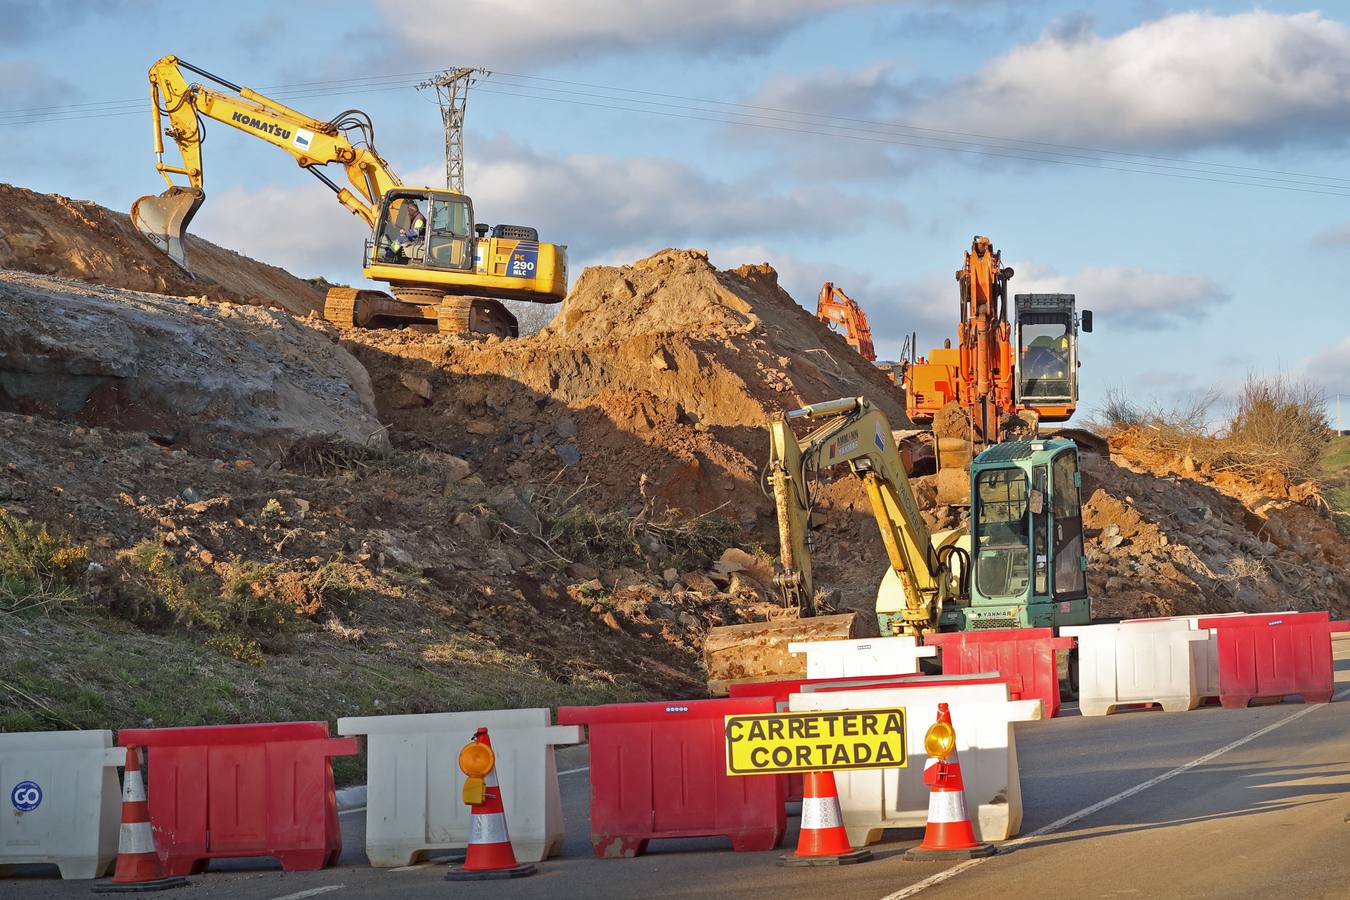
x=837, y=308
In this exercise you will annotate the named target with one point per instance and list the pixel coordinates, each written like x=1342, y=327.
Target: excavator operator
x=1046, y=358
x=398, y=249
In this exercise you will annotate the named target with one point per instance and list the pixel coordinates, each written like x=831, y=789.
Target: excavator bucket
x=164, y=219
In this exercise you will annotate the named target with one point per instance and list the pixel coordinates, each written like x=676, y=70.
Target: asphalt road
x=1208, y=803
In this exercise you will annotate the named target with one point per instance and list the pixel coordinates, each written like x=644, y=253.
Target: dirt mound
x=217, y=378
x=1168, y=538
x=653, y=382
x=53, y=235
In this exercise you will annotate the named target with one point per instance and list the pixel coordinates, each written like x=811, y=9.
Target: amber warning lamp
x=476, y=761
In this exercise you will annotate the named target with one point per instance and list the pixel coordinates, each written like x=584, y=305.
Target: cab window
x=1002, y=523
x=451, y=226
x=1070, y=580
x=1045, y=366
x=402, y=234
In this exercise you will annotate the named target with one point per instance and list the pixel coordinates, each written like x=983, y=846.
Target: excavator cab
x=1047, y=354
x=1026, y=539
x=424, y=229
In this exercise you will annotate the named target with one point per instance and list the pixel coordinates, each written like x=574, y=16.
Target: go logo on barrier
x=26, y=796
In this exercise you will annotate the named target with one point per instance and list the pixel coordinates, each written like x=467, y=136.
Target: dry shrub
x=1277, y=424
x=1281, y=424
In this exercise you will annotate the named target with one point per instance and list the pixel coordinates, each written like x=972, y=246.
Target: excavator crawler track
x=464, y=315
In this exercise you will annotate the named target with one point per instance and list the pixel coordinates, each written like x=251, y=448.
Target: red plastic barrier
x=1027, y=654
x=1274, y=655
x=242, y=790
x=659, y=770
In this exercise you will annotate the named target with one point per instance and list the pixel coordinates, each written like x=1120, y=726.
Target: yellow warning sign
x=775, y=743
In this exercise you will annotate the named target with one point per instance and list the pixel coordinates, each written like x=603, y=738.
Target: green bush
x=37, y=566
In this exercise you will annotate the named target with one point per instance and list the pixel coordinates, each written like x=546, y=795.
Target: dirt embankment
x=53, y=235
x=653, y=384
x=217, y=378
x=1167, y=537
x=518, y=543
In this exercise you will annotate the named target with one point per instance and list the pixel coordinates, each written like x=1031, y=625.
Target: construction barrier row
x=657, y=770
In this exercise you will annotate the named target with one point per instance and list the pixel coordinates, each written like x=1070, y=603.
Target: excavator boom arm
x=861, y=437
x=313, y=143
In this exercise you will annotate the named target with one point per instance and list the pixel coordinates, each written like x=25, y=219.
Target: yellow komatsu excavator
x=441, y=266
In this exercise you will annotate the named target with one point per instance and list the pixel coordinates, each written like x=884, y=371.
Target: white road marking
x=354, y=809
x=312, y=892
x=574, y=771
x=1056, y=825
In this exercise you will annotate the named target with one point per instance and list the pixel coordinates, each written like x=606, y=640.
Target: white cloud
x=1331, y=370
x=303, y=229
x=831, y=92
x=25, y=85
x=539, y=32
x=1193, y=79
x=1335, y=239
x=596, y=203
x=1128, y=296
x=605, y=209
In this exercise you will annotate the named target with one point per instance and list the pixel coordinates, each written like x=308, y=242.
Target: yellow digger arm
x=858, y=435
x=312, y=142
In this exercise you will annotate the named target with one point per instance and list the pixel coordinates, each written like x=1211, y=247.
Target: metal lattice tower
x=452, y=93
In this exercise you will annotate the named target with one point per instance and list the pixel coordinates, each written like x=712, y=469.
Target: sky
x=1181, y=170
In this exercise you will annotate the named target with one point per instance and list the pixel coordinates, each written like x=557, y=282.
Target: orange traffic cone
x=949, y=834
x=823, y=840
x=490, y=855
x=138, y=865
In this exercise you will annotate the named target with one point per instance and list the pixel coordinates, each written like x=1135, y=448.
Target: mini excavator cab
x=1026, y=540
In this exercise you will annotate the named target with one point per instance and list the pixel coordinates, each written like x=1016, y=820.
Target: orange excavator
x=839, y=309
x=1003, y=378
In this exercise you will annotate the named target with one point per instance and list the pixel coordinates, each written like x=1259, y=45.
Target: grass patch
x=1334, y=473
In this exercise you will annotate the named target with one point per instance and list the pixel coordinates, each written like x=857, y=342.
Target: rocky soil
x=341, y=522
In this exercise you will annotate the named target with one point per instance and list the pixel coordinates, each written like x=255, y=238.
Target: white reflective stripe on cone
x=820, y=812
x=490, y=780
x=135, y=837
x=931, y=762
x=947, y=806
x=488, y=828
x=133, y=787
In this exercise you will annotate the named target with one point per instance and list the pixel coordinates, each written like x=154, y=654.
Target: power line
x=896, y=134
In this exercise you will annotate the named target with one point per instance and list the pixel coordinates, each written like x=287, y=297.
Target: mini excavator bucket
x=164, y=219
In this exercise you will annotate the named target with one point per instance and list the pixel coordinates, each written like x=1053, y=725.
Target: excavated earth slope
x=654, y=381
x=217, y=378
x=53, y=235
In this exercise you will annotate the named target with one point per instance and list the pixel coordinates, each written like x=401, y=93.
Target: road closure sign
x=776, y=743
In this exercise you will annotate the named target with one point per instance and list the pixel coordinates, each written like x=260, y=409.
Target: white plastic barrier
x=869, y=656
x=61, y=802
x=1204, y=654
x=414, y=797
x=873, y=800
x=1137, y=662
